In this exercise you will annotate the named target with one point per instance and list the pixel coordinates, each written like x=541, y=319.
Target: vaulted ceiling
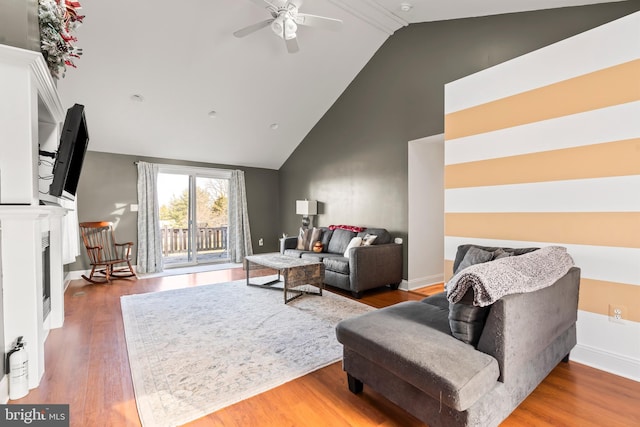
x=169, y=79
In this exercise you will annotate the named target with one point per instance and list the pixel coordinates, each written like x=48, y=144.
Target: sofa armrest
x=374, y=266
x=521, y=326
x=288, y=243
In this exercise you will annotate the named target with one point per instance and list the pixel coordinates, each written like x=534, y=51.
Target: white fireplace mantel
x=21, y=232
x=31, y=115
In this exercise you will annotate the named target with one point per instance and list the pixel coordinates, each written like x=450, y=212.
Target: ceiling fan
x=285, y=19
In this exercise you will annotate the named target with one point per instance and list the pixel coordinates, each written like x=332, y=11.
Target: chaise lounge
x=409, y=354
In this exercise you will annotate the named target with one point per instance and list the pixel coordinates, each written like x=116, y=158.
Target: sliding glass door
x=194, y=215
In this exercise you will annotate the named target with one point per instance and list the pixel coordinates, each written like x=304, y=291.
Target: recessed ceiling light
x=274, y=126
x=137, y=97
x=406, y=7
x=212, y=114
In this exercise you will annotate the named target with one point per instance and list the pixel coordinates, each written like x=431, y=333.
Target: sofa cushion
x=401, y=339
x=296, y=253
x=316, y=256
x=438, y=300
x=340, y=240
x=337, y=263
x=326, y=237
x=382, y=235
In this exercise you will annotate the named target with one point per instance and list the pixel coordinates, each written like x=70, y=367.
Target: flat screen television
x=74, y=139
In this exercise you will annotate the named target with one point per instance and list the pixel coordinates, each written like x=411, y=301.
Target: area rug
x=196, y=350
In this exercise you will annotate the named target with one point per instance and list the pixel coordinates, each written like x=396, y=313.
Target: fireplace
x=46, y=275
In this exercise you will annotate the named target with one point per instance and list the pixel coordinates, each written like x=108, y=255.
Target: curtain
x=239, y=232
x=149, y=238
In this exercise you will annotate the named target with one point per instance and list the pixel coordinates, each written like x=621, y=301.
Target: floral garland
x=58, y=18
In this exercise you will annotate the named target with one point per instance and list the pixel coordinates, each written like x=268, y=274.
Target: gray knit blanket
x=511, y=275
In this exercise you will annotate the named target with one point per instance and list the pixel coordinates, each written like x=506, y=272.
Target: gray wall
x=354, y=161
x=107, y=189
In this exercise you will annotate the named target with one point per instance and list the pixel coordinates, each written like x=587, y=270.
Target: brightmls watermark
x=34, y=415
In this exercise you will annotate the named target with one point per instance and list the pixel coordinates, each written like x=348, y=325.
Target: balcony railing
x=176, y=240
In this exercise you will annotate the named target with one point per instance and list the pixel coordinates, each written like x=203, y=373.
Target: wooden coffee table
x=300, y=275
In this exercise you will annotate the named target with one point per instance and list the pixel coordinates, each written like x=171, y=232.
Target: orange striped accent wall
x=554, y=125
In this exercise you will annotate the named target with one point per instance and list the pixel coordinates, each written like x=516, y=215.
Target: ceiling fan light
x=290, y=29
x=278, y=25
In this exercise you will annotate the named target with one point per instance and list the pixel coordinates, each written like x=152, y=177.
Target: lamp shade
x=306, y=207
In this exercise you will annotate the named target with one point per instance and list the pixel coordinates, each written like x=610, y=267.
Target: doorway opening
x=194, y=216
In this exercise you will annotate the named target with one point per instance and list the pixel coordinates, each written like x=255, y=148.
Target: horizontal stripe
x=584, y=53
x=605, y=195
x=448, y=269
x=596, y=330
x=621, y=229
x=606, y=263
x=617, y=158
x=576, y=95
x=597, y=296
x=615, y=123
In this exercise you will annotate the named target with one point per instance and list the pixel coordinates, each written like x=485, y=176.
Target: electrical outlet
x=617, y=313
x=261, y=242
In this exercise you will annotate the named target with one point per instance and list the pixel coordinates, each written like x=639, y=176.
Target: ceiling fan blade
x=319, y=21
x=252, y=28
x=296, y=3
x=292, y=45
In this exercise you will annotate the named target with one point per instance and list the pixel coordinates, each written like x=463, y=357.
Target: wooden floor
x=87, y=367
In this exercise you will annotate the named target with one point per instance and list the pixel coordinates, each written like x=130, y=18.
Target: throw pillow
x=474, y=256
x=354, y=243
x=368, y=239
x=307, y=237
x=501, y=253
x=467, y=320
x=316, y=234
x=303, y=239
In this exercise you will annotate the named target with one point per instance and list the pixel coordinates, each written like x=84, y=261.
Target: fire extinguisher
x=18, y=370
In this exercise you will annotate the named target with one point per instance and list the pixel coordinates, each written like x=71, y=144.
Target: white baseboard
x=421, y=282
x=605, y=361
x=75, y=275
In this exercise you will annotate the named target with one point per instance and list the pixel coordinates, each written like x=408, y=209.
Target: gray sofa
x=366, y=267
x=407, y=353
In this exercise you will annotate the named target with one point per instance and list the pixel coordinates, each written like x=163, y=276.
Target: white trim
x=372, y=13
x=606, y=361
x=47, y=91
x=421, y=282
x=74, y=275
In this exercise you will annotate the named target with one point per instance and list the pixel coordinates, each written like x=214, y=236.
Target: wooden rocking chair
x=105, y=253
